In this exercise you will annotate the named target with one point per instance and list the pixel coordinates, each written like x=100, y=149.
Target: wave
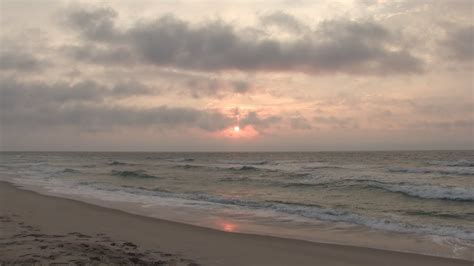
x=220, y=167
x=70, y=170
x=245, y=168
x=298, y=175
x=468, y=216
x=427, y=191
x=189, y=166
x=263, y=162
x=313, y=211
x=309, y=211
x=458, y=163
x=117, y=163
x=322, y=167
x=133, y=174
x=422, y=191
x=180, y=160
x=431, y=171
x=235, y=179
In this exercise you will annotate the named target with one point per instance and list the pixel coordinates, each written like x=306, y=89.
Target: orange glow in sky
x=237, y=132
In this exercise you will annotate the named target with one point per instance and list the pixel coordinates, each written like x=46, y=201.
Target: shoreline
x=55, y=215
x=322, y=232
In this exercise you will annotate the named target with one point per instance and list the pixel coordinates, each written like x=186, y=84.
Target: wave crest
x=117, y=163
x=263, y=162
x=427, y=191
x=458, y=163
x=133, y=174
x=458, y=171
x=70, y=171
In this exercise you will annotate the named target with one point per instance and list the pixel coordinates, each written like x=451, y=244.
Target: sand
x=46, y=229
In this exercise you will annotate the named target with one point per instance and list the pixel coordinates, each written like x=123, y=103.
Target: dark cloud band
x=335, y=46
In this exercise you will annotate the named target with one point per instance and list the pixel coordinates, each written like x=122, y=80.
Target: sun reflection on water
x=228, y=226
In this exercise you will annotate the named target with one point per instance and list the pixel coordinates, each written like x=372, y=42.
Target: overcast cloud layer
x=354, y=47
x=331, y=75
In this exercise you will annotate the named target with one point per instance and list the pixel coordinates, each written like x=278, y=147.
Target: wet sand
x=46, y=229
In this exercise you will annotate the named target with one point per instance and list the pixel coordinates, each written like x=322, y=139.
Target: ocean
x=414, y=201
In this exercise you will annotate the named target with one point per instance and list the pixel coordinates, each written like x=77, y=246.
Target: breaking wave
x=310, y=211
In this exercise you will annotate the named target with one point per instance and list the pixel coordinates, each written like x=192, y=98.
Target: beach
x=90, y=230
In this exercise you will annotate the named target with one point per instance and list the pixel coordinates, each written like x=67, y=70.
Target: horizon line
x=222, y=151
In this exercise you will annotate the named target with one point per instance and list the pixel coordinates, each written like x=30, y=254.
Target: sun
x=236, y=132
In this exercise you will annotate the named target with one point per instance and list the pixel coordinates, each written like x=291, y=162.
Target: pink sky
x=180, y=75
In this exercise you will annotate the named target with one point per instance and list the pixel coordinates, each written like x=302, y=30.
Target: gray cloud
x=444, y=125
x=20, y=61
x=336, y=46
x=199, y=87
x=459, y=44
x=299, y=123
x=100, y=55
x=284, y=21
x=95, y=24
x=445, y=108
x=83, y=104
x=132, y=88
x=252, y=118
x=103, y=117
x=240, y=86
x=17, y=94
x=37, y=104
x=338, y=122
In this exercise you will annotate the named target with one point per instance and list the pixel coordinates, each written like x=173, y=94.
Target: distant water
x=427, y=196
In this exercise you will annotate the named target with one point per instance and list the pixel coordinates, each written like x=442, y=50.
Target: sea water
x=420, y=202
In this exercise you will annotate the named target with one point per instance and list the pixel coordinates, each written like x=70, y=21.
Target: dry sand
x=46, y=229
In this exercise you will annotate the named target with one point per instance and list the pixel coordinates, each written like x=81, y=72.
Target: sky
x=177, y=75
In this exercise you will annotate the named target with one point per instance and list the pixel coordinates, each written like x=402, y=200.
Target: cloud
x=284, y=21
x=445, y=108
x=299, y=123
x=36, y=94
x=459, y=44
x=85, y=104
x=254, y=119
x=82, y=104
x=444, y=125
x=337, y=122
x=199, y=87
x=240, y=86
x=95, y=24
x=335, y=46
x=96, y=54
x=103, y=117
x=20, y=61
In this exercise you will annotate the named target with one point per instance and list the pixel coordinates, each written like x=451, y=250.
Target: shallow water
x=413, y=201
